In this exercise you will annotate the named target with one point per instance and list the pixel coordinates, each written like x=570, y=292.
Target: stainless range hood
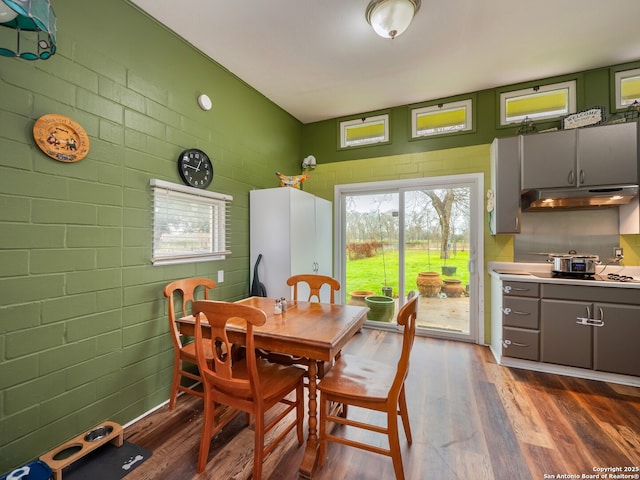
x=586, y=197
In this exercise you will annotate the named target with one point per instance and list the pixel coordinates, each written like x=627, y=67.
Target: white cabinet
x=630, y=217
x=292, y=230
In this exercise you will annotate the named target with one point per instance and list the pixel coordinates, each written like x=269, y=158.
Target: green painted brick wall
x=83, y=328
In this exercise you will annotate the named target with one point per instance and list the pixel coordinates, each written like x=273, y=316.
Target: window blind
x=189, y=224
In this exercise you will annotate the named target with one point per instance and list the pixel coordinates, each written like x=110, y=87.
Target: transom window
x=189, y=224
x=441, y=119
x=627, y=88
x=364, y=131
x=538, y=103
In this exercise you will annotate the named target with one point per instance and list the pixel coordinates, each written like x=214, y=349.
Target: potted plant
x=381, y=308
x=429, y=283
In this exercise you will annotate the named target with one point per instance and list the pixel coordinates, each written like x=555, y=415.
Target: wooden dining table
x=316, y=331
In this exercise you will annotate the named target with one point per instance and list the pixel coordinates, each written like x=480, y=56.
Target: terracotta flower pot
x=357, y=297
x=453, y=287
x=429, y=283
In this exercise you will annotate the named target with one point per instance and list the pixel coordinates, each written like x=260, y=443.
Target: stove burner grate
x=619, y=278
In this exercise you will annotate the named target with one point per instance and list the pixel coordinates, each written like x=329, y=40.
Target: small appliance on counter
x=573, y=264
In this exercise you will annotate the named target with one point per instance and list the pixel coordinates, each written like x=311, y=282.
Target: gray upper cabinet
x=505, y=182
x=608, y=155
x=549, y=160
x=590, y=156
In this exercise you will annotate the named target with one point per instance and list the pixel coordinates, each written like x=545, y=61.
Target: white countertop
x=525, y=272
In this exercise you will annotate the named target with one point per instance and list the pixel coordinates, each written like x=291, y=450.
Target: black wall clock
x=195, y=168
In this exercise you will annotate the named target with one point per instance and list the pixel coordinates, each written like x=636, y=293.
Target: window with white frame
x=189, y=224
x=627, y=88
x=441, y=119
x=538, y=103
x=364, y=131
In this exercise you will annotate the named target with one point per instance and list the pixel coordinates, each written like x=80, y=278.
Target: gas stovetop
x=600, y=277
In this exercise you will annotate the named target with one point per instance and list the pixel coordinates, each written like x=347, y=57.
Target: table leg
x=310, y=459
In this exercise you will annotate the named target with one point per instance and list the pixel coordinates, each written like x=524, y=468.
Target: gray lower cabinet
x=520, y=320
x=579, y=328
x=588, y=327
x=521, y=343
x=564, y=341
x=615, y=342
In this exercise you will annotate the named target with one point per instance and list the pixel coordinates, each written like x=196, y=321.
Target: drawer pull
x=506, y=343
x=508, y=311
x=508, y=288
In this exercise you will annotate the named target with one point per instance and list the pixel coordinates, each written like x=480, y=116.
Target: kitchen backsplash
x=592, y=232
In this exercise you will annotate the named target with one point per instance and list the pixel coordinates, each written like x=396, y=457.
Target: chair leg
x=394, y=443
x=175, y=381
x=258, y=452
x=207, y=428
x=404, y=413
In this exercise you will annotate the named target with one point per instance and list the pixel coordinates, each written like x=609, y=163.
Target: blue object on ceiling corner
x=35, y=24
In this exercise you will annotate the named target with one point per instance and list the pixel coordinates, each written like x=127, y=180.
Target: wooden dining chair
x=250, y=384
x=181, y=295
x=315, y=283
x=372, y=385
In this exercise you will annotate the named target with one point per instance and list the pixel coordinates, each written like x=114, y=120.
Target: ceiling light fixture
x=35, y=24
x=390, y=18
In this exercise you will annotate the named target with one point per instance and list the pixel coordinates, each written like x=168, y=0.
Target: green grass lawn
x=369, y=273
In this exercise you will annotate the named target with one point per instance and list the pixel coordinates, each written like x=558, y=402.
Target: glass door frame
x=474, y=181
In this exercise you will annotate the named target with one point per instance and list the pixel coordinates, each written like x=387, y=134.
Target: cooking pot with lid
x=574, y=263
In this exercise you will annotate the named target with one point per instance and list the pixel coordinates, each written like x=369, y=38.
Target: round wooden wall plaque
x=61, y=138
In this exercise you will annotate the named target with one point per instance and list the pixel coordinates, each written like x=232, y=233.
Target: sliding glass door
x=421, y=235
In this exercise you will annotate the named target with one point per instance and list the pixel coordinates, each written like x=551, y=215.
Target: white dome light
x=390, y=18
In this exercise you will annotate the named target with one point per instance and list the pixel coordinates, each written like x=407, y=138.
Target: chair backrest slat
x=315, y=283
x=222, y=378
x=186, y=290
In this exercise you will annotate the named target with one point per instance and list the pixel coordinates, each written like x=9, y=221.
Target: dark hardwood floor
x=470, y=419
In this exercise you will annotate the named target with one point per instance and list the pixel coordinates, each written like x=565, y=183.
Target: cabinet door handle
x=570, y=178
x=581, y=178
x=591, y=322
x=508, y=311
x=517, y=221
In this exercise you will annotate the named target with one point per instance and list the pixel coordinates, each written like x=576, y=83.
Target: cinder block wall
x=83, y=331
